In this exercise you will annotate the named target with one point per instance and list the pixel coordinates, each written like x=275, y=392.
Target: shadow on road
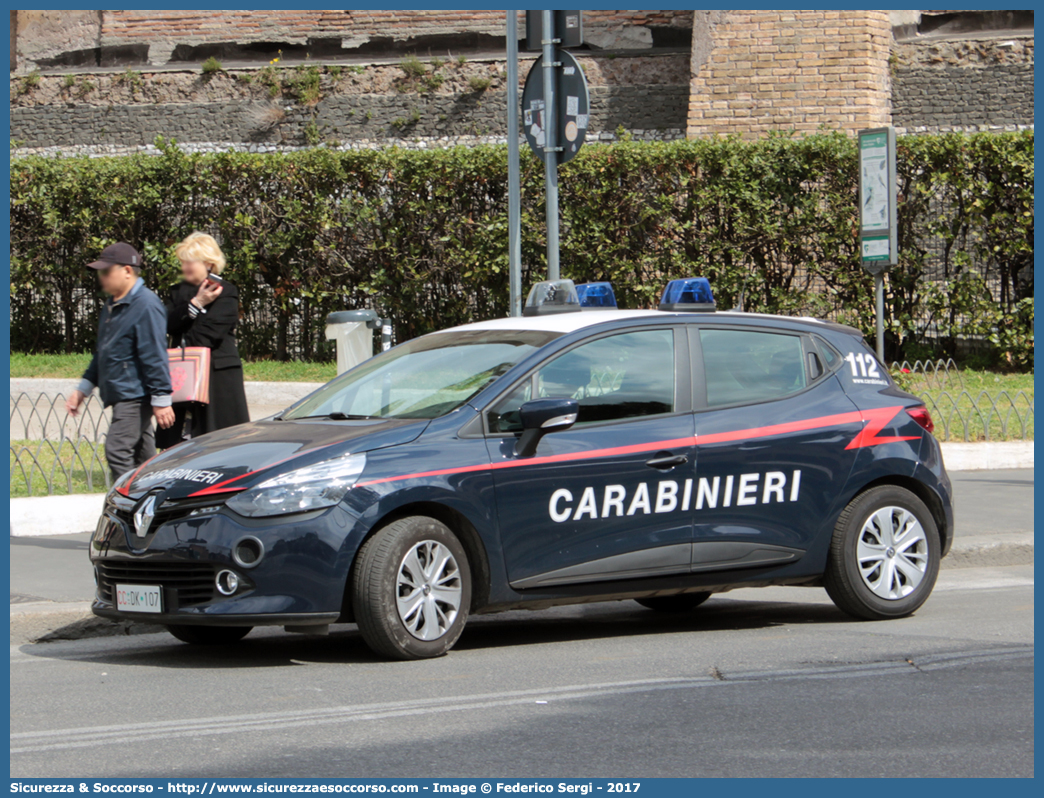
x=268, y=649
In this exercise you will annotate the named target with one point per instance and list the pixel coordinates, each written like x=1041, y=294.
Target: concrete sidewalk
x=52, y=583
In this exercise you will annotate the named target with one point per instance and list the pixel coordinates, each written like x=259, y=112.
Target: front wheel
x=411, y=589
x=209, y=635
x=884, y=556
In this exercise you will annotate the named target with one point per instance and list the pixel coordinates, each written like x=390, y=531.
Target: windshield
x=423, y=378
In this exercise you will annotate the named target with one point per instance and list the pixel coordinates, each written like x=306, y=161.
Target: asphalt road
x=770, y=682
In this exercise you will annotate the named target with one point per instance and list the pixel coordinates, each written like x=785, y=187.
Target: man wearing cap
x=129, y=367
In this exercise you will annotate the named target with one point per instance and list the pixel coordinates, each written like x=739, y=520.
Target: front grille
x=187, y=584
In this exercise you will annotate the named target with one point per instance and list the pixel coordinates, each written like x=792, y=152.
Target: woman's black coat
x=215, y=330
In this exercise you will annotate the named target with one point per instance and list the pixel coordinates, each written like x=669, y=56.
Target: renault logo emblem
x=143, y=516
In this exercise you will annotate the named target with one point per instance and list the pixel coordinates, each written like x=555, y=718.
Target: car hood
x=238, y=457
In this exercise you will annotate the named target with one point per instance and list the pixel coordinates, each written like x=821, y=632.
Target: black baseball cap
x=119, y=254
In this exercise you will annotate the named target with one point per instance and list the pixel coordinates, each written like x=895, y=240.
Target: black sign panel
x=572, y=113
x=569, y=27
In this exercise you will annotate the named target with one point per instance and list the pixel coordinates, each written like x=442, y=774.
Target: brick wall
x=771, y=70
x=163, y=30
x=120, y=27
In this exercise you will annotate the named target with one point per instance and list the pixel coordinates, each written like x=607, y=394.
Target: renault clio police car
x=575, y=454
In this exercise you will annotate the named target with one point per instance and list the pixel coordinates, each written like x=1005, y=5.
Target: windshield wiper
x=337, y=415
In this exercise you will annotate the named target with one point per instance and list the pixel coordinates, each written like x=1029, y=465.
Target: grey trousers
x=131, y=440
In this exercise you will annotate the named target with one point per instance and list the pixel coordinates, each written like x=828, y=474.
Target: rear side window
x=751, y=366
x=623, y=376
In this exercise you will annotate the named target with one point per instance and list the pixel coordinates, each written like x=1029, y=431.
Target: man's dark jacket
x=130, y=361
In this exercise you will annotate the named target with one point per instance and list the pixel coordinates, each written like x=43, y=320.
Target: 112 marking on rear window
x=864, y=369
x=863, y=364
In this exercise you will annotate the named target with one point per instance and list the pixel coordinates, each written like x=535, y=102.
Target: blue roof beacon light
x=692, y=294
x=596, y=296
x=551, y=296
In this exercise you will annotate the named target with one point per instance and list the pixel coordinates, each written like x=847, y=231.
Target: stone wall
x=646, y=95
x=758, y=71
x=963, y=84
x=160, y=37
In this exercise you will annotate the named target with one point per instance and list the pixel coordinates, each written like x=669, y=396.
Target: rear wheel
x=411, y=589
x=680, y=603
x=884, y=556
x=209, y=635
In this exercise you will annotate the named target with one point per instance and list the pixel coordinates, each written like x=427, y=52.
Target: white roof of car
x=571, y=322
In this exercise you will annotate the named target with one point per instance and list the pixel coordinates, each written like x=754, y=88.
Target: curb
x=990, y=550
x=49, y=622
x=987, y=455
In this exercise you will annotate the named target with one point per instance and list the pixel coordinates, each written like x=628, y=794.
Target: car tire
x=884, y=555
x=209, y=635
x=411, y=589
x=683, y=602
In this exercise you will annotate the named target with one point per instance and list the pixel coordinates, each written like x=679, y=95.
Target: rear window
x=743, y=366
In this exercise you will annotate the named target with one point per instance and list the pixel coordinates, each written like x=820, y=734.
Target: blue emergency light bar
x=596, y=296
x=692, y=294
x=551, y=296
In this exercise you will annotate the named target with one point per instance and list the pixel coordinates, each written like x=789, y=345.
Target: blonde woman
x=203, y=310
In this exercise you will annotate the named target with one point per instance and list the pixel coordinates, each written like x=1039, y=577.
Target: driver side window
x=614, y=378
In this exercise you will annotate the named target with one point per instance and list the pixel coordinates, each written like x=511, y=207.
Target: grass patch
x=71, y=367
x=412, y=67
x=211, y=66
x=29, y=82
x=72, y=468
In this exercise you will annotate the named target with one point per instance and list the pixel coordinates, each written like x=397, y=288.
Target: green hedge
x=422, y=235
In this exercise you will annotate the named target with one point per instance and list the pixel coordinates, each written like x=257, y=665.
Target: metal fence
x=967, y=415
x=53, y=453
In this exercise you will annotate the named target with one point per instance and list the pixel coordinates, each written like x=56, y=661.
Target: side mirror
x=542, y=416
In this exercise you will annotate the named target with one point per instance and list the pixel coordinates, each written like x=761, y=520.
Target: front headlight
x=312, y=488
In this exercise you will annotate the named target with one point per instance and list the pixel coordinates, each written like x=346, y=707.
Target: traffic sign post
x=514, y=181
x=555, y=110
x=878, y=240
x=550, y=148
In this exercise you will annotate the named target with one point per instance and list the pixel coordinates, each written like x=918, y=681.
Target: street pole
x=514, y=190
x=550, y=144
x=879, y=297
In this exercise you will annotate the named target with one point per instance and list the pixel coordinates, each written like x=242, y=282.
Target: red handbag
x=190, y=374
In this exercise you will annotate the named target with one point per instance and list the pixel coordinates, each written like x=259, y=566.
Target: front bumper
x=299, y=580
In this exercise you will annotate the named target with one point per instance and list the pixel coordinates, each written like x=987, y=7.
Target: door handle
x=666, y=461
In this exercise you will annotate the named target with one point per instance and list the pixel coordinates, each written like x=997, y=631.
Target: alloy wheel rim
x=892, y=553
x=428, y=590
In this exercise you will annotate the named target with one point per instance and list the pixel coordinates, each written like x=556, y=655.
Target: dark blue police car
x=661, y=456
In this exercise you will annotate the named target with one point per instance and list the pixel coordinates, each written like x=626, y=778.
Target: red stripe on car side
x=875, y=421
